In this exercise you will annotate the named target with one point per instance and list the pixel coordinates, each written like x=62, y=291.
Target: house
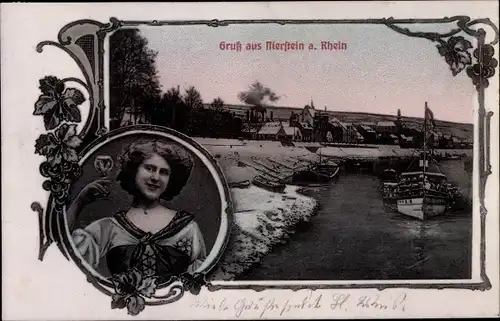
x=292, y=133
x=406, y=141
x=394, y=139
x=368, y=133
x=307, y=131
x=307, y=115
x=351, y=134
x=386, y=127
x=468, y=143
x=250, y=130
x=445, y=141
x=335, y=133
x=456, y=142
x=320, y=126
x=271, y=131
x=368, y=123
x=132, y=116
x=305, y=128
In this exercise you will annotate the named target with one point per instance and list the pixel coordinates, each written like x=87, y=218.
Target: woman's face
x=152, y=177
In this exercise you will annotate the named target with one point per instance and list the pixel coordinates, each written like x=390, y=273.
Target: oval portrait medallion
x=150, y=207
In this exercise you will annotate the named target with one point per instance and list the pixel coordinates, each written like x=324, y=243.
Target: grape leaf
x=147, y=286
x=72, y=97
x=45, y=144
x=59, y=145
x=51, y=85
x=135, y=304
x=44, y=104
x=118, y=301
x=56, y=108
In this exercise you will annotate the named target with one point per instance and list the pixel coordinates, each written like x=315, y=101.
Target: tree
x=133, y=75
x=194, y=103
x=258, y=95
x=192, y=98
x=217, y=104
x=175, y=109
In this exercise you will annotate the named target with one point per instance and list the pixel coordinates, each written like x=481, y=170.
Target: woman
x=156, y=240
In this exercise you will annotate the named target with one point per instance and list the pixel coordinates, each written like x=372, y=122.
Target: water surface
x=355, y=237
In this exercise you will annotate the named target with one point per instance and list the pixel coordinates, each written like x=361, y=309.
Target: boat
x=423, y=193
x=319, y=173
x=329, y=170
x=316, y=175
x=389, y=191
x=451, y=157
x=389, y=175
x=455, y=196
x=242, y=184
x=268, y=184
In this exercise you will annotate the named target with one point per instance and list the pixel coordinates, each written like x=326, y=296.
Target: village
x=312, y=125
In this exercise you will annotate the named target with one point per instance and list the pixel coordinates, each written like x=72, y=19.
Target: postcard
x=250, y=161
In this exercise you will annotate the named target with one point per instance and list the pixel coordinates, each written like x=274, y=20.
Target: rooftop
x=289, y=130
x=386, y=124
x=426, y=173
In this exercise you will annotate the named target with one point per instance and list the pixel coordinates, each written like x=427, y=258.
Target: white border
x=55, y=289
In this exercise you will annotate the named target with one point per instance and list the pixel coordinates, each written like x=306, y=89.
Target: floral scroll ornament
x=59, y=105
x=193, y=282
x=131, y=288
x=455, y=52
x=456, y=49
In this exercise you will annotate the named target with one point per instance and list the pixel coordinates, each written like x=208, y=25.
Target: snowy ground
x=262, y=219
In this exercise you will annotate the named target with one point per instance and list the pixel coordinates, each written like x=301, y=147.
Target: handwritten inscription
x=265, y=306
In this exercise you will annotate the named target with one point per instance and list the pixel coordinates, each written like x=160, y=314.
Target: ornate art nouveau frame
x=84, y=41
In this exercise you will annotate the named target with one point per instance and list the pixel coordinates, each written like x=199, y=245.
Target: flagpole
x=425, y=136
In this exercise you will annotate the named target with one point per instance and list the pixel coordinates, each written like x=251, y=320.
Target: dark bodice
x=149, y=257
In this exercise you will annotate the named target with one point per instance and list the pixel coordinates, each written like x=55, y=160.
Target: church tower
x=398, y=123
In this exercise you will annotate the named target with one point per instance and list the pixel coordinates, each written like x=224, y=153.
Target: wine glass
x=103, y=164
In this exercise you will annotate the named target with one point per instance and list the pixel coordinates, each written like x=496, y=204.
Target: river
x=355, y=237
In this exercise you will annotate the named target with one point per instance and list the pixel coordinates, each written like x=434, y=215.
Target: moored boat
x=389, y=175
x=320, y=173
x=423, y=193
x=270, y=185
x=389, y=191
x=242, y=184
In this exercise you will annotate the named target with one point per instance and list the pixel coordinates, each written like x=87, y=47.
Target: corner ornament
x=456, y=49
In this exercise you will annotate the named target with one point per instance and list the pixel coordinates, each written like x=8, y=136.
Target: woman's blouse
x=178, y=247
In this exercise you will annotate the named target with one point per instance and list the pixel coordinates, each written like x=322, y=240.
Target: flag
x=421, y=163
x=429, y=117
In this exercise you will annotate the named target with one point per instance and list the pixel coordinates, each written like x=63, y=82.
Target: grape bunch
x=60, y=178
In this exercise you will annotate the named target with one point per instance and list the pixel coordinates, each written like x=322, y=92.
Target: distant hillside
x=461, y=130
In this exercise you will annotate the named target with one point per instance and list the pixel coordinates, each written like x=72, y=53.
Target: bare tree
x=217, y=104
x=133, y=74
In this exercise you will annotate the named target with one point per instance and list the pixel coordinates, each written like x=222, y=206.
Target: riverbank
x=262, y=220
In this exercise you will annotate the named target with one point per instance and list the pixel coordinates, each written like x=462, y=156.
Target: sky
x=379, y=72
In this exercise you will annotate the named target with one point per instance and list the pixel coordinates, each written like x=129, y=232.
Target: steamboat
x=423, y=193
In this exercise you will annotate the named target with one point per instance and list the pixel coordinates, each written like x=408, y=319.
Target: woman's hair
x=135, y=154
